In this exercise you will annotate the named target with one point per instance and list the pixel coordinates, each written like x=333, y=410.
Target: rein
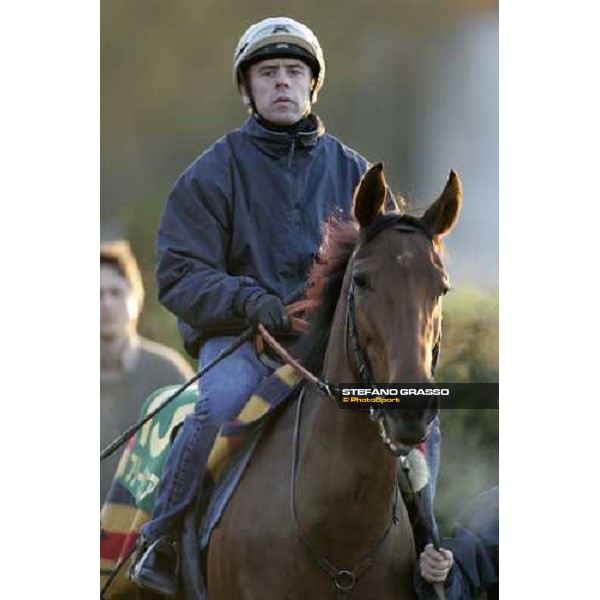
x=298, y=324
x=323, y=385
x=131, y=431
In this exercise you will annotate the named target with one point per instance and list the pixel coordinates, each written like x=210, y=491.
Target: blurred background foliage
x=470, y=442
x=412, y=83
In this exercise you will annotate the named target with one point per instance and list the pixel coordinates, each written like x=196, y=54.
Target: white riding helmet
x=280, y=37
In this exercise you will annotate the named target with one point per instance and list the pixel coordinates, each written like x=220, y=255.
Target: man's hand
x=435, y=564
x=269, y=311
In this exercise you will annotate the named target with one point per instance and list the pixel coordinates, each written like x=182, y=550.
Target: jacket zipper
x=291, y=152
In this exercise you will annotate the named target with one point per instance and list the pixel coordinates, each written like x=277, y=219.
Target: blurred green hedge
x=469, y=436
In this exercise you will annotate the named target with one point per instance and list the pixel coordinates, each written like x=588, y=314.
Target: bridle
x=344, y=580
x=354, y=354
x=355, y=357
x=403, y=223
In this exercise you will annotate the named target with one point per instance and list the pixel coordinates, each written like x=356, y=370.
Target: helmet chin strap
x=245, y=84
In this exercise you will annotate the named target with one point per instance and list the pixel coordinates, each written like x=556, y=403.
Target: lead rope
x=433, y=534
x=344, y=580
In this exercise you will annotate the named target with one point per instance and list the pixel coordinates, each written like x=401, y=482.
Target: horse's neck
x=346, y=478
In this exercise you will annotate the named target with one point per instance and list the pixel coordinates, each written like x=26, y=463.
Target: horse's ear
x=370, y=196
x=443, y=213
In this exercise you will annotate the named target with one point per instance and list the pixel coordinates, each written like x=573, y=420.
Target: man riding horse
x=238, y=235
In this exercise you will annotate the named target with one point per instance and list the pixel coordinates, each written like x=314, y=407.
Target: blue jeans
x=222, y=393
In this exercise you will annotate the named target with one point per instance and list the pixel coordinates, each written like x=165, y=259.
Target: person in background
x=467, y=562
x=131, y=367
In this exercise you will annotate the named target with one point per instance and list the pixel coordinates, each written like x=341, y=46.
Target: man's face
x=281, y=89
x=118, y=305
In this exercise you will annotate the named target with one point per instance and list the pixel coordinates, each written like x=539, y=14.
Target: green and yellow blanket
x=131, y=498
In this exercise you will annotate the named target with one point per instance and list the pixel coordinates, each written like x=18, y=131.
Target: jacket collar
x=304, y=136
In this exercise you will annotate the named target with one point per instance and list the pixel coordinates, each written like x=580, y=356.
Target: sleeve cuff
x=453, y=588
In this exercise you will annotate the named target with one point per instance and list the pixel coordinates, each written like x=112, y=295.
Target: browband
x=397, y=221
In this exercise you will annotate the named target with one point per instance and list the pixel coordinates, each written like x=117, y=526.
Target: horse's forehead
x=403, y=252
x=406, y=249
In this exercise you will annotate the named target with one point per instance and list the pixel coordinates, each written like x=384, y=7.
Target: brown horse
x=392, y=269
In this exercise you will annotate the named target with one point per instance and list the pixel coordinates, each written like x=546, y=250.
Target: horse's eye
x=361, y=281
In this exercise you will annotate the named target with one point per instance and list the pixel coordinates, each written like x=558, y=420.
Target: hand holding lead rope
x=434, y=565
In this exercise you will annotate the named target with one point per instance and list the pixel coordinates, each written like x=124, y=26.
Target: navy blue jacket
x=245, y=219
x=475, y=545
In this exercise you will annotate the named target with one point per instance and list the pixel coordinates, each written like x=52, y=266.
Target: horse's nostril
x=408, y=428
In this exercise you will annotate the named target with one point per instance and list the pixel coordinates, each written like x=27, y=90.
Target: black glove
x=269, y=311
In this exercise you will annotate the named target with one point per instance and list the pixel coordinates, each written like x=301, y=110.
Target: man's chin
x=284, y=122
x=283, y=117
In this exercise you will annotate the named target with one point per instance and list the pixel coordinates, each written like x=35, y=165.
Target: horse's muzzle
x=402, y=427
